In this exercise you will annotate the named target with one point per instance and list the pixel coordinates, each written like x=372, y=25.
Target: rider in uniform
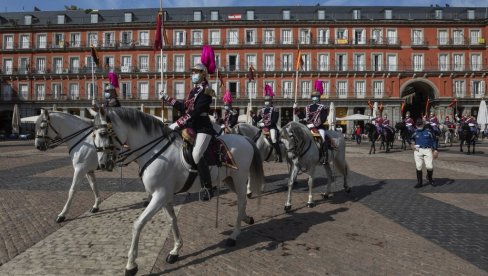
x=268, y=117
x=409, y=122
x=230, y=115
x=110, y=95
x=386, y=125
x=434, y=123
x=315, y=116
x=425, y=150
x=195, y=116
x=472, y=123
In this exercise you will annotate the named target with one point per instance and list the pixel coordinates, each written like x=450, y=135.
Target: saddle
x=324, y=146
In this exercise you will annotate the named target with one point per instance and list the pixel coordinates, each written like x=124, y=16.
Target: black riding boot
x=429, y=177
x=419, y=179
x=205, y=179
x=277, y=150
x=324, y=148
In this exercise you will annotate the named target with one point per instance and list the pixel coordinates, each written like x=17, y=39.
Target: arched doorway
x=415, y=93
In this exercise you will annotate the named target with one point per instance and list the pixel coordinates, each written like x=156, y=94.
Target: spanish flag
x=370, y=105
x=427, y=107
x=250, y=75
x=94, y=56
x=402, y=108
x=299, y=62
x=453, y=102
x=158, y=41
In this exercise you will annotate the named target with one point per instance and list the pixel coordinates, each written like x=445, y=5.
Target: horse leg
x=240, y=191
x=90, y=176
x=310, y=202
x=461, y=146
x=76, y=179
x=173, y=254
x=291, y=180
x=154, y=206
x=330, y=179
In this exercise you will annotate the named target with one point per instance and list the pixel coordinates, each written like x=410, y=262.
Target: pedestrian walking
x=424, y=151
x=357, y=134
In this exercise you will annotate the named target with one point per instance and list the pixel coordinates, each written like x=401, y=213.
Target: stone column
x=170, y=114
x=82, y=113
x=152, y=111
x=350, y=124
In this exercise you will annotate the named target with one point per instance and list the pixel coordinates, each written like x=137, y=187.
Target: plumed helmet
x=227, y=98
x=268, y=92
x=109, y=87
x=318, y=89
x=201, y=69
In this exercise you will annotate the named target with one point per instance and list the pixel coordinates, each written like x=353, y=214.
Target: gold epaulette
x=210, y=92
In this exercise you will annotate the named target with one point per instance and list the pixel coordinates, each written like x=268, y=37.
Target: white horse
x=305, y=155
x=164, y=171
x=55, y=128
x=446, y=133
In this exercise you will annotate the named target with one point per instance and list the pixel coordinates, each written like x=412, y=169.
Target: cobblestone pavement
x=384, y=227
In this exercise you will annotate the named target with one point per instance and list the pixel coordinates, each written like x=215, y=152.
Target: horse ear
x=92, y=112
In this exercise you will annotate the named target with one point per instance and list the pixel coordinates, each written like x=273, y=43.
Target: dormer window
x=128, y=17
x=61, y=18
x=471, y=14
x=388, y=14
x=28, y=20
x=321, y=14
x=356, y=14
x=250, y=15
x=214, y=15
x=197, y=15
x=286, y=15
x=94, y=18
x=438, y=14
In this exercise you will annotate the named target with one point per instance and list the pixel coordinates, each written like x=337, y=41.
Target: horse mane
x=299, y=130
x=135, y=118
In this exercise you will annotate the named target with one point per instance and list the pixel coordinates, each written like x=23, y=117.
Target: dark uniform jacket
x=230, y=118
x=269, y=115
x=195, y=109
x=315, y=114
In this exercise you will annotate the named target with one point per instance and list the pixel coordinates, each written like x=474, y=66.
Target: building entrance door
x=415, y=95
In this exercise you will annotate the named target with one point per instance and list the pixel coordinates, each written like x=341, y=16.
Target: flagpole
x=217, y=84
x=93, y=78
x=296, y=78
x=161, y=56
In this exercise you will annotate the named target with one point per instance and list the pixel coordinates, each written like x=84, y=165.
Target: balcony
x=419, y=43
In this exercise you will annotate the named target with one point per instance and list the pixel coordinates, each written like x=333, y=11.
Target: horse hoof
x=287, y=208
x=250, y=220
x=131, y=272
x=94, y=210
x=324, y=196
x=347, y=189
x=171, y=259
x=60, y=219
x=249, y=195
x=230, y=242
x=310, y=204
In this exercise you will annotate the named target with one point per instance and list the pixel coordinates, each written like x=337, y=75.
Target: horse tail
x=256, y=170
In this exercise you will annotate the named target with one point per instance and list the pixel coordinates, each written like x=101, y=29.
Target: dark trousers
x=358, y=139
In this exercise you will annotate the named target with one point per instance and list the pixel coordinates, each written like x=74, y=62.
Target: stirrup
x=205, y=194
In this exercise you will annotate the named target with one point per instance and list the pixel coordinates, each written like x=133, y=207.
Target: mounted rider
x=409, y=123
x=267, y=118
x=109, y=93
x=434, y=123
x=385, y=124
x=195, y=116
x=473, y=124
x=230, y=115
x=450, y=125
x=378, y=123
x=315, y=116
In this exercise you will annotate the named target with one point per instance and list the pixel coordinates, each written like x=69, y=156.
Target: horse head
x=294, y=136
x=46, y=135
x=102, y=139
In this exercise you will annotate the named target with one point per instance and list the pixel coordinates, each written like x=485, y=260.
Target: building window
x=28, y=20
x=41, y=65
x=159, y=88
x=195, y=59
x=143, y=88
x=321, y=14
x=23, y=92
x=24, y=42
x=91, y=90
x=288, y=89
x=41, y=41
x=180, y=38
x=342, y=89
x=126, y=64
x=392, y=63
x=377, y=62
x=23, y=65
x=250, y=15
x=158, y=63
x=459, y=88
x=475, y=62
x=341, y=36
x=418, y=63
x=179, y=63
x=233, y=37
x=443, y=62
x=417, y=37
x=251, y=61
x=125, y=90
x=270, y=83
x=75, y=40
x=438, y=14
x=304, y=36
x=341, y=62
x=359, y=36
x=307, y=62
x=143, y=38
x=109, y=39
x=93, y=39
x=8, y=66
x=286, y=15
x=323, y=36
x=306, y=87
x=475, y=37
x=74, y=91
x=269, y=36
x=74, y=65
x=214, y=37
x=214, y=15
x=471, y=15
x=58, y=41
x=443, y=37
x=56, y=91
x=458, y=37
x=287, y=62
x=477, y=88
x=326, y=86
x=197, y=37
x=458, y=62
x=250, y=36
x=391, y=36
x=61, y=18
x=143, y=64
x=197, y=15
x=269, y=63
x=179, y=92
x=94, y=18
x=286, y=36
x=360, y=88
x=233, y=62
x=377, y=36
x=388, y=14
x=125, y=39
x=359, y=62
x=8, y=42
x=323, y=62
x=128, y=17
x=58, y=65
x=378, y=90
x=6, y=92
x=40, y=92
x=356, y=14
x=251, y=90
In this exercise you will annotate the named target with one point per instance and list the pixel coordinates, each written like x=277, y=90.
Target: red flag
x=158, y=41
x=94, y=56
x=453, y=102
x=427, y=107
x=250, y=75
x=402, y=108
x=370, y=105
x=221, y=81
x=380, y=108
x=299, y=62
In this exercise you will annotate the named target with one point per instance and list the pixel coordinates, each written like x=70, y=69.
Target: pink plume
x=319, y=87
x=268, y=91
x=113, y=78
x=227, y=97
x=208, y=58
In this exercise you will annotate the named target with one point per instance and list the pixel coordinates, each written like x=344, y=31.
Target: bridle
x=297, y=148
x=51, y=143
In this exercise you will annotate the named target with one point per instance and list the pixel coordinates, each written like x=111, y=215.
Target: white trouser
x=423, y=156
x=322, y=133
x=272, y=133
x=201, y=144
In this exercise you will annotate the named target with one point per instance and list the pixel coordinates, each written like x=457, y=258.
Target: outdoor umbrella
x=331, y=119
x=482, y=115
x=16, y=120
x=375, y=110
